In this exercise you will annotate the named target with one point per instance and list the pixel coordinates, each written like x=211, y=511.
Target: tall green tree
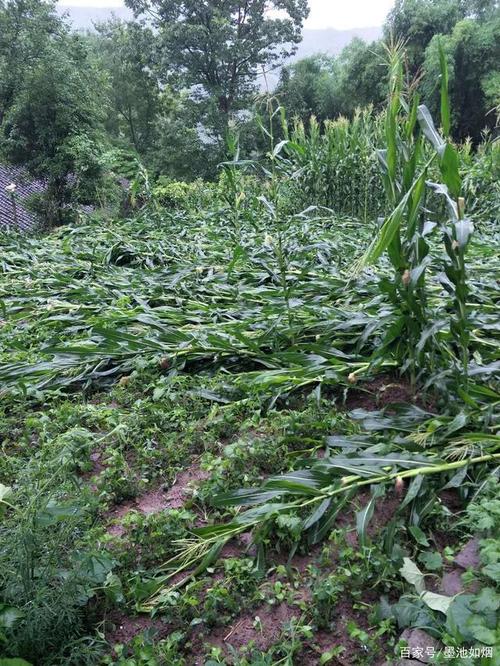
x=327, y=87
x=306, y=88
x=473, y=54
x=127, y=53
x=26, y=27
x=415, y=22
x=222, y=45
x=53, y=125
x=361, y=76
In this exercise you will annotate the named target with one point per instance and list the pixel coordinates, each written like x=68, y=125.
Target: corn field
x=256, y=422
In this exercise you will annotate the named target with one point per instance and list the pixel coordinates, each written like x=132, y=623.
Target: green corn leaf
x=442, y=190
x=292, y=487
x=415, y=203
x=382, y=158
x=449, y=165
x=311, y=479
x=457, y=479
x=221, y=530
x=463, y=231
x=412, y=116
x=324, y=526
x=392, y=224
x=445, y=102
x=317, y=514
x=210, y=557
x=263, y=512
x=364, y=516
x=429, y=129
x=413, y=491
x=279, y=147
x=388, y=232
x=245, y=496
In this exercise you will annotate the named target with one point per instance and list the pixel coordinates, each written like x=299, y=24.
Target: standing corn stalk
x=404, y=232
x=273, y=202
x=337, y=166
x=458, y=231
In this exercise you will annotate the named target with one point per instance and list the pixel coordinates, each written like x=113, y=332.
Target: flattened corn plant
x=207, y=290
x=415, y=450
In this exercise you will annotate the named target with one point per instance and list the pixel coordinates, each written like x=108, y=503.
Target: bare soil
x=263, y=633
x=123, y=628
x=156, y=499
x=382, y=391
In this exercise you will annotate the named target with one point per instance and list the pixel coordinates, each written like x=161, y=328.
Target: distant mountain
x=332, y=41
x=314, y=41
x=83, y=18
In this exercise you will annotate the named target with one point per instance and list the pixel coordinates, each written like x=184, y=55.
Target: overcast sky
x=340, y=14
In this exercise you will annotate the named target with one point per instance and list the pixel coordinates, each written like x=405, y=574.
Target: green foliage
x=145, y=650
x=306, y=88
x=26, y=31
x=127, y=53
x=326, y=595
x=465, y=618
x=362, y=77
x=188, y=409
x=52, y=124
x=337, y=166
x=47, y=576
x=417, y=21
x=221, y=47
x=472, y=53
x=327, y=87
x=483, y=511
x=178, y=194
x=155, y=535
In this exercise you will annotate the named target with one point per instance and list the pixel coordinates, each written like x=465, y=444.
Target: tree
x=327, y=87
x=361, y=76
x=417, y=21
x=473, y=53
x=306, y=88
x=26, y=26
x=52, y=126
x=222, y=44
x=482, y=9
x=127, y=52
x=185, y=149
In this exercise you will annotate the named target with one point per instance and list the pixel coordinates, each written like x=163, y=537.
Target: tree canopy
x=27, y=28
x=53, y=102
x=127, y=52
x=473, y=53
x=223, y=45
